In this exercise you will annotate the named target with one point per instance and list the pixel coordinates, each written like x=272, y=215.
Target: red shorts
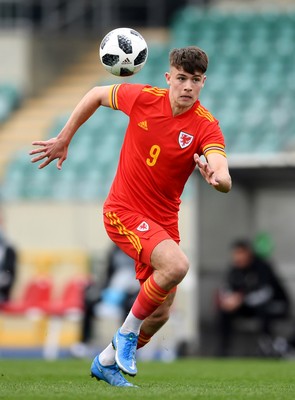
x=137, y=236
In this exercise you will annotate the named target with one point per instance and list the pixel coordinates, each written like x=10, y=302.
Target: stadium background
x=49, y=59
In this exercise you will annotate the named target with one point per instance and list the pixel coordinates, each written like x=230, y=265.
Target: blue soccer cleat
x=110, y=374
x=125, y=346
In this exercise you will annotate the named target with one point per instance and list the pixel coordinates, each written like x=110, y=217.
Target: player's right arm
x=57, y=148
x=215, y=171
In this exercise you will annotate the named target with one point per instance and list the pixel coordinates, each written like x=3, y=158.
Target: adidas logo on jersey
x=143, y=125
x=126, y=61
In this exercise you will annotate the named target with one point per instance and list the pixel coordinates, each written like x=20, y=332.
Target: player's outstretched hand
x=206, y=172
x=51, y=149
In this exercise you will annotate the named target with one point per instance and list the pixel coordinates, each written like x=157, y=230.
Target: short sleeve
x=123, y=96
x=213, y=140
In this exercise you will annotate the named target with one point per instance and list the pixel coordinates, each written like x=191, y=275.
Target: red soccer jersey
x=156, y=158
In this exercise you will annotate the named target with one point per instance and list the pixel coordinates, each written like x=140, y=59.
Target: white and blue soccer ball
x=123, y=52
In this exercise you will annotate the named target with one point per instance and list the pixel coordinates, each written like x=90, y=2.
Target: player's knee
x=170, y=262
x=179, y=269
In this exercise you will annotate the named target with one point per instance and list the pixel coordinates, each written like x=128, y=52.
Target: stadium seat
x=68, y=307
x=23, y=321
x=35, y=298
x=71, y=300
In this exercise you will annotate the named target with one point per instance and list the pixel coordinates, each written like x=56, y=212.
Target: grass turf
x=184, y=379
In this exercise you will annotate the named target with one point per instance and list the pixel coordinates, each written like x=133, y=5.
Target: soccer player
x=168, y=130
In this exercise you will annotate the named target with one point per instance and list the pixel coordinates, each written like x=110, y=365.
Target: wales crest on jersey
x=184, y=139
x=143, y=227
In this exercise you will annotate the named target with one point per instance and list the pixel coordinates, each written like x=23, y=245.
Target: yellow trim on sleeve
x=113, y=96
x=206, y=153
x=213, y=145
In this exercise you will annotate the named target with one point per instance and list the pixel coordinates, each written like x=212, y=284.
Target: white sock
x=131, y=324
x=107, y=356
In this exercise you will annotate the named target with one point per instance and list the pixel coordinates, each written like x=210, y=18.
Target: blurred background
x=53, y=219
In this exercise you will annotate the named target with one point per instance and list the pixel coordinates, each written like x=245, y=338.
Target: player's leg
x=105, y=363
x=170, y=264
x=170, y=267
x=155, y=321
x=150, y=326
x=151, y=246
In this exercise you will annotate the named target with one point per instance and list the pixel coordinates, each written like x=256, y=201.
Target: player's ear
x=168, y=77
x=204, y=79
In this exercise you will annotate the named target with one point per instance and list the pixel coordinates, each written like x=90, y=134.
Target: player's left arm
x=215, y=171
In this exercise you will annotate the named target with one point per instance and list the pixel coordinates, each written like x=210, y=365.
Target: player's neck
x=178, y=110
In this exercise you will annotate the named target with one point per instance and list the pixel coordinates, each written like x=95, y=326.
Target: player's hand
x=207, y=173
x=52, y=149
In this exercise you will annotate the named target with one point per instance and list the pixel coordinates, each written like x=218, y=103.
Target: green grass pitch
x=183, y=379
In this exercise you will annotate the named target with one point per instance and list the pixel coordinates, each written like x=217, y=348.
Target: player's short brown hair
x=190, y=58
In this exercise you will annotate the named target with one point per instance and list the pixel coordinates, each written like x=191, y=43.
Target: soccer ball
x=123, y=52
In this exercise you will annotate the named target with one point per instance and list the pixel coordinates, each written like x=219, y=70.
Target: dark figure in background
x=8, y=261
x=252, y=289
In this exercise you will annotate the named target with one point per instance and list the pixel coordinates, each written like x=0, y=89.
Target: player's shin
x=143, y=339
x=150, y=297
x=125, y=341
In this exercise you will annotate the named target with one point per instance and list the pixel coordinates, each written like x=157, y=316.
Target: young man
x=168, y=130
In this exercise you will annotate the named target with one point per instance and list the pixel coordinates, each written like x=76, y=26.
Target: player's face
x=185, y=88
